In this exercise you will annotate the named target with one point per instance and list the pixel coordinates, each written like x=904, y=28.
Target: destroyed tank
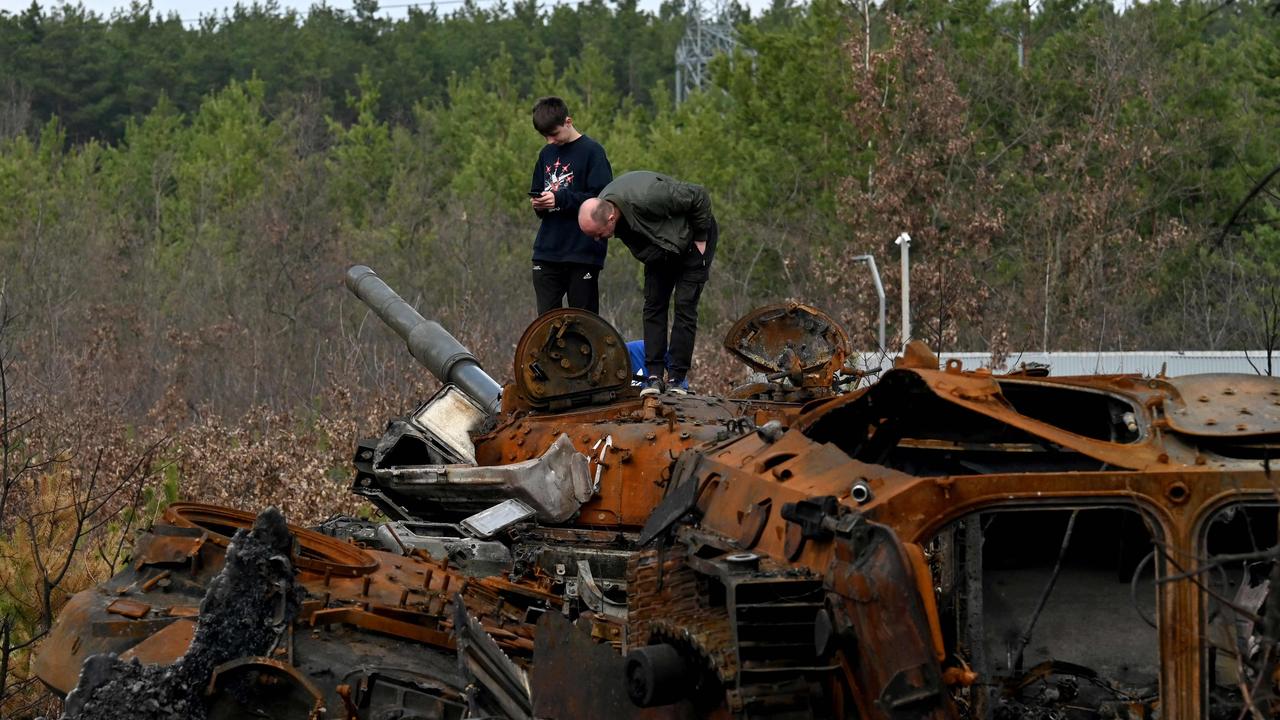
x=940, y=543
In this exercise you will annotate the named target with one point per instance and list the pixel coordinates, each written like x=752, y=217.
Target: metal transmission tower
x=703, y=39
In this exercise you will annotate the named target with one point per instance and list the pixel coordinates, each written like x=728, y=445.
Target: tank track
x=667, y=605
x=670, y=602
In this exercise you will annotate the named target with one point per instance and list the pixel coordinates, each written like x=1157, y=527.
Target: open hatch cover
x=789, y=338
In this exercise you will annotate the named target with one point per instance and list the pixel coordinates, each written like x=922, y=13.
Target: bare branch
x=1257, y=188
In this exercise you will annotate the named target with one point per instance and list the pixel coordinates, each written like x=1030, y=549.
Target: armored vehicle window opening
x=926, y=436
x=1079, y=607
x=1239, y=544
x=1085, y=412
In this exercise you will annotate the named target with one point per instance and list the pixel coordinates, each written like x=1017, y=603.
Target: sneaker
x=652, y=386
x=678, y=387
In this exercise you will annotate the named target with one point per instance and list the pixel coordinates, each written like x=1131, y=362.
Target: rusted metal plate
x=890, y=639
x=1221, y=405
x=131, y=629
x=980, y=393
x=131, y=609
x=317, y=553
x=71, y=640
x=645, y=439
x=382, y=624
x=177, y=546
x=164, y=647
x=576, y=677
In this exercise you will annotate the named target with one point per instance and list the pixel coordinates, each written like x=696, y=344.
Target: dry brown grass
x=298, y=461
x=85, y=471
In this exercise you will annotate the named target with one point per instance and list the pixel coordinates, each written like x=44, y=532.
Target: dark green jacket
x=660, y=212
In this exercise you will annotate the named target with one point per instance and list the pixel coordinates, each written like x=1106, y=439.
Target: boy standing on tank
x=571, y=168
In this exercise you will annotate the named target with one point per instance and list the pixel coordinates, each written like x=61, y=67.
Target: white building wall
x=1252, y=362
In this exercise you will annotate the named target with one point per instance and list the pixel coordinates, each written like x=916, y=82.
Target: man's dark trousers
x=683, y=276
x=553, y=280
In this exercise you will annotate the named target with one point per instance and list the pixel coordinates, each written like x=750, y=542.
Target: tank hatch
x=1221, y=405
x=792, y=339
x=570, y=357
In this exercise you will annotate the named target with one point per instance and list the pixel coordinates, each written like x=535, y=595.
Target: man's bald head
x=598, y=218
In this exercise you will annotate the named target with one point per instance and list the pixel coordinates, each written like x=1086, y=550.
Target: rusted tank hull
x=940, y=544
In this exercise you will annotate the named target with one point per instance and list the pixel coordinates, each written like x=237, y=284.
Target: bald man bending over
x=667, y=225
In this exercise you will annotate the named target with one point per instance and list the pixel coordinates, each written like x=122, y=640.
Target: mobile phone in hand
x=536, y=193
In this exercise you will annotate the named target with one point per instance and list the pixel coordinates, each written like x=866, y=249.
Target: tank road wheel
x=673, y=672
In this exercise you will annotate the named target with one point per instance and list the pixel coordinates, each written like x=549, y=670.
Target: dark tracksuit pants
x=683, y=278
x=552, y=281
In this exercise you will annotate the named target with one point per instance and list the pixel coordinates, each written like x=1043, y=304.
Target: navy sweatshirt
x=574, y=172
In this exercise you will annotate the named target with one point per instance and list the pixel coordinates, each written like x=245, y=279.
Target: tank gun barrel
x=428, y=342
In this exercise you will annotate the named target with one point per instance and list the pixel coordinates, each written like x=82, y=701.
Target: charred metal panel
x=575, y=676
x=886, y=634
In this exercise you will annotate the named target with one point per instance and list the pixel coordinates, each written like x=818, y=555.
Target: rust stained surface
x=382, y=624
x=646, y=435
x=1156, y=466
x=70, y=642
x=982, y=395
x=566, y=358
x=888, y=641
x=393, y=595
x=156, y=549
x=317, y=553
x=1223, y=405
x=789, y=338
x=131, y=609
x=769, y=558
x=165, y=646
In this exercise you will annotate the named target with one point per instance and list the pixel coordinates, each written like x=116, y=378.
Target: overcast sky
x=193, y=9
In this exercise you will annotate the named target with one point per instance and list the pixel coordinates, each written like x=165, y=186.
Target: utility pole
x=904, y=242
x=875, y=275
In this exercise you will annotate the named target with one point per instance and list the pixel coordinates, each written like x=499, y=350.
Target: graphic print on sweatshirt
x=557, y=176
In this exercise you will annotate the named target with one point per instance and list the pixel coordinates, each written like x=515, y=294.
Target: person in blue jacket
x=635, y=351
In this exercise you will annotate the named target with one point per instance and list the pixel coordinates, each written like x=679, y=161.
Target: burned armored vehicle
x=939, y=543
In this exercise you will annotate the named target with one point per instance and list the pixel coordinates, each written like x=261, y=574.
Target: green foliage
x=207, y=184
x=361, y=159
x=97, y=73
x=485, y=132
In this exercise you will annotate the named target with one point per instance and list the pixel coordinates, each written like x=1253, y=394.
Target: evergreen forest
x=179, y=200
